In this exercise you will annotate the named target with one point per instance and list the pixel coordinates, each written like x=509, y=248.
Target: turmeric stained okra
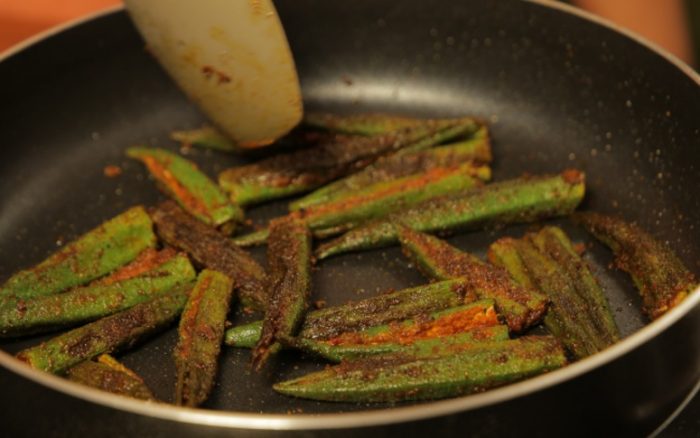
x=662, y=279
x=98, y=252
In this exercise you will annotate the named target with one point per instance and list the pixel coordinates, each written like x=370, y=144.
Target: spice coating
x=107, y=374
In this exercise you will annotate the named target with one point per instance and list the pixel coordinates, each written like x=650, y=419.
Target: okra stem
x=200, y=333
x=209, y=248
x=661, y=278
x=521, y=307
x=106, y=335
x=204, y=137
x=87, y=303
x=289, y=260
x=519, y=200
x=399, y=377
x=191, y=188
x=107, y=374
x=98, y=252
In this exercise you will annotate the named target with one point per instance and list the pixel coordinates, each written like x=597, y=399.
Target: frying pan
x=560, y=89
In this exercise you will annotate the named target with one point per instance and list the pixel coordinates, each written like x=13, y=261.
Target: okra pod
x=191, y=188
x=108, y=334
x=205, y=137
x=399, y=377
x=524, y=199
x=398, y=165
x=107, y=296
x=574, y=317
x=358, y=315
x=98, y=252
x=289, y=273
x=520, y=306
x=303, y=170
x=367, y=124
x=211, y=249
x=107, y=374
x=661, y=278
x=200, y=333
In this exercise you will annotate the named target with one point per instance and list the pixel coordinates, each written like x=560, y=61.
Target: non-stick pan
x=559, y=90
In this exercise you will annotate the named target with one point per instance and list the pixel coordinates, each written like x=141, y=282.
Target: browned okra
x=456, y=370
x=521, y=307
x=289, y=261
x=661, y=278
x=108, y=374
x=200, y=333
x=96, y=253
x=106, y=335
x=211, y=249
x=303, y=170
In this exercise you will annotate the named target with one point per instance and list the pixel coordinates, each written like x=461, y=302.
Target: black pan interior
x=558, y=91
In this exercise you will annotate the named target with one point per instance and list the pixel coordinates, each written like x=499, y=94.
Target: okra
x=289, y=273
x=399, y=165
x=209, y=248
x=574, y=316
x=359, y=315
x=205, y=137
x=520, y=306
x=107, y=296
x=98, y=252
x=192, y=189
x=520, y=200
x=303, y=170
x=476, y=322
x=661, y=278
x=367, y=124
x=200, y=333
x=108, y=374
x=106, y=335
x=457, y=371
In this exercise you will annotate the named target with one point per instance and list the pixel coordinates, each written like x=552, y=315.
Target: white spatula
x=231, y=57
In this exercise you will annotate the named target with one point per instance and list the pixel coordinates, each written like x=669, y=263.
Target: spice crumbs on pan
x=112, y=171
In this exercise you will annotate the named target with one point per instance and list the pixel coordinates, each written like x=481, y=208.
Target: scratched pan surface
x=558, y=90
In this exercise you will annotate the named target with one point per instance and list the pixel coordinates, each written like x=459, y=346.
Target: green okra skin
x=661, y=278
x=458, y=371
x=399, y=165
x=106, y=335
x=107, y=374
x=519, y=200
x=211, y=249
x=289, y=273
x=556, y=244
x=303, y=170
x=359, y=315
x=367, y=124
x=98, y=252
x=200, y=333
x=206, y=137
x=45, y=313
x=520, y=306
x=187, y=185
x=569, y=317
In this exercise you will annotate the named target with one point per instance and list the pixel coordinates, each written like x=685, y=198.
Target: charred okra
x=200, y=333
x=98, y=252
x=579, y=315
x=107, y=374
x=303, y=170
x=519, y=200
x=358, y=315
x=367, y=124
x=520, y=306
x=662, y=279
x=140, y=281
x=398, y=377
x=191, y=188
x=210, y=249
x=106, y=335
x=399, y=165
x=289, y=261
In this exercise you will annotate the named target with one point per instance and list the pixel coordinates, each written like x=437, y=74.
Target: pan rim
x=374, y=417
